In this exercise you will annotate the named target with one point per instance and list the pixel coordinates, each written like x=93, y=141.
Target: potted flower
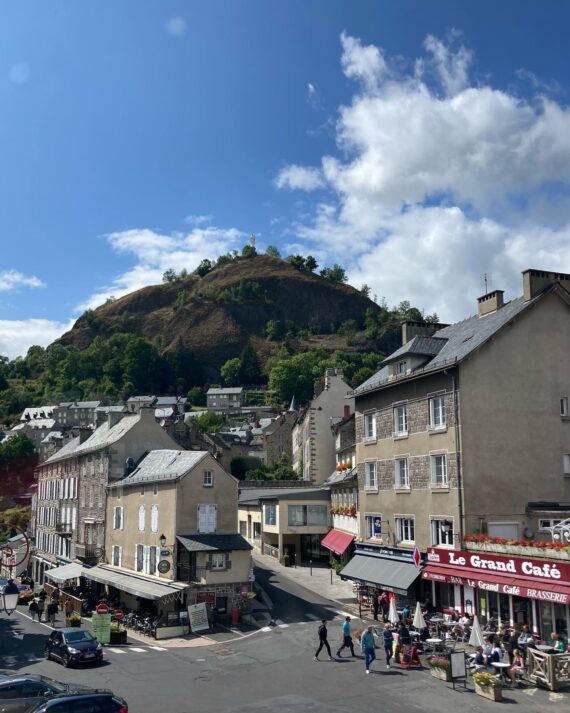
x=440, y=667
x=352, y=511
x=74, y=619
x=488, y=685
x=118, y=634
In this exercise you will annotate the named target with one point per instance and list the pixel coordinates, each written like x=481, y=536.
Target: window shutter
x=120, y=518
x=141, y=518
x=228, y=562
x=154, y=518
x=146, y=559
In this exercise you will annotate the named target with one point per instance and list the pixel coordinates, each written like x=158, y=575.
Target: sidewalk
x=317, y=579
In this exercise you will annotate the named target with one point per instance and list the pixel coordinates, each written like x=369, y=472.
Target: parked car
x=89, y=702
x=73, y=646
x=19, y=692
x=25, y=593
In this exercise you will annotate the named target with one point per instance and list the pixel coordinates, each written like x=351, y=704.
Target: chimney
x=147, y=413
x=346, y=411
x=411, y=329
x=100, y=418
x=536, y=281
x=84, y=434
x=490, y=302
x=329, y=373
x=113, y=418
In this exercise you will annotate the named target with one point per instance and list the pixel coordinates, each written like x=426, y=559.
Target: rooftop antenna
x=487, y=280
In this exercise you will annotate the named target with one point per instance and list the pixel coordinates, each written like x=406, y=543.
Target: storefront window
x=547, y=623
x=482, y=606
x=521, y=611
x=504, y=611
x=444, y=594
x=560, y=620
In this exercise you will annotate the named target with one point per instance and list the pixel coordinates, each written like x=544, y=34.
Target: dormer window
x=400, y=367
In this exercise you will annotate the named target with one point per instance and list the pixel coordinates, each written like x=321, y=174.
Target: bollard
x=311, y=567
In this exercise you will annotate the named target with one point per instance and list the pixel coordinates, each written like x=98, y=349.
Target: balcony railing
x=191, y=573
x=88, y=552
x=64, y=528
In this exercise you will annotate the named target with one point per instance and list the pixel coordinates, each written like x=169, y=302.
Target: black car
x=89, y=702
x=73, y=646
x=18, y=693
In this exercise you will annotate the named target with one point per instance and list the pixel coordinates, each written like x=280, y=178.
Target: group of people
x=45, y=607
x=367, y=642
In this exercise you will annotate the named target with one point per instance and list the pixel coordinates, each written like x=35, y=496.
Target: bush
x=486, y=680
x=439, y=662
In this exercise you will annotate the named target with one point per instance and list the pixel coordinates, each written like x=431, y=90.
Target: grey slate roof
x=461, y=339
x=213, y=543
x=102, y=438
x=162, y=466
x=342, y=476
x=218, y=392
x=420, y=346
x=253, y=496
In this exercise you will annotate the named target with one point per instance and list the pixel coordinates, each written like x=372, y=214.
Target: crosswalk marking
x=137, y=649
x=116, y=651
x=266, y=628
x=157, y=648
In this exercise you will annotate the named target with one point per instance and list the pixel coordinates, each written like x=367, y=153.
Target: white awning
x=139, y=586
x=67, y=571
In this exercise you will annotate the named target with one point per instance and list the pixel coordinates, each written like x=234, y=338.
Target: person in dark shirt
x=323, y=641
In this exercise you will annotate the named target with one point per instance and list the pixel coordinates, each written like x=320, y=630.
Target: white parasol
x=393, y=617
x=476, y=638
x=419, y=622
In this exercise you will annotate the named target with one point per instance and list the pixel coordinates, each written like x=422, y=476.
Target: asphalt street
x=267, y=671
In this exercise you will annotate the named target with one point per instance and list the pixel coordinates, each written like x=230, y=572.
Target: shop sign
x=208, y=598
x=399, y=553
x=542, y=570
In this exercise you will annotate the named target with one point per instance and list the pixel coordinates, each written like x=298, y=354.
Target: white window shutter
x=141, y=518
x=120, y=518
x=154, y=518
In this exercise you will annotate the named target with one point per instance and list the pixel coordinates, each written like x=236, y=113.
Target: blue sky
x=420, y=144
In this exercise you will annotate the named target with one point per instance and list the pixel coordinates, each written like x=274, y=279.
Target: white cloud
x=176, y=26
x=299, y=178
x=16, y=336
x=12, y=279
x=437, y=180
x=156, y=252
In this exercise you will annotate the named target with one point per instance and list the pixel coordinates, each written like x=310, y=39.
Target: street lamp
x=10, y=597
x=162, y=539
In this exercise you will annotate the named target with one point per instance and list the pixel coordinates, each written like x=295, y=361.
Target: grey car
x=18, y=693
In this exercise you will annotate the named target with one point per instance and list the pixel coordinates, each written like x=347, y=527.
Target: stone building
x=312, y=439
x=278, y=439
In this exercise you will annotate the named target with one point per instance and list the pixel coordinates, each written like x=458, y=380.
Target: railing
x=188, y=573
x=89, y=551
x=64, y=528
x=271, y=551
x=551, y=670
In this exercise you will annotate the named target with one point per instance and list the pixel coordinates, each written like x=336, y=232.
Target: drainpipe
x=458, y=460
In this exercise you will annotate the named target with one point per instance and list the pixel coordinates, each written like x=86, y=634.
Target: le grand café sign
x=477, y=569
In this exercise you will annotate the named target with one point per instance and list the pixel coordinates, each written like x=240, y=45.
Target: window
x=139, y=558
x=155, y=488
x=545, y=525
x=153, y=553
x=441, y=532
x=206, y=518
x=401, y=421
x=118, y=518
x=154, y=518
x=141, y=518
x=566, y=464
x=507, y=530
x=373, y=525
x=270, y=513
x=142, y=489
x=564, y=406
x=370, y=472
x=401, y=474
x=404, y=529
x=400, y=367
x=218, y=560
x=439, y=472
x=307, y=515
x=370, y=426
x=117, y=555
x=436, y=413
x=208, y=479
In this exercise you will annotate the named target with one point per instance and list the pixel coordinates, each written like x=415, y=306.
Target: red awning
x=558, y=593
x=337, y=541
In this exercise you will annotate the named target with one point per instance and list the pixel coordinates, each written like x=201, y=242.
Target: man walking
x=33, y=609
x=346, y=638
x=387, y=641
x=41, y=603
x=52, y=610
x=323, y=641
x=368, y=647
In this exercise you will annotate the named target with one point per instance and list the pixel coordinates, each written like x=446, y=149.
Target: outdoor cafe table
x=502, y=667
x=435, y=643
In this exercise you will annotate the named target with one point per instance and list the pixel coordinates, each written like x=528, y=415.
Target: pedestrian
x=33, y=609
x=41, y=604
x=323, y=641
x=375, y=605
x=52, y=610
x=68, y=606
x=368, y=647
x=346, y=638
x=32, y=584
x=385, y=604
x=387, y=641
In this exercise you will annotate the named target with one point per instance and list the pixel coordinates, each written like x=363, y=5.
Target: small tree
x=231, y=372
x=248, y=251
x=296, y=261
x=169, y=275
x=204, y=267
x=272, y=251
x=365, y=290
x=336, y=273
x=310, y=263
x=274, y=330
x=209, y=422
x=196, y=396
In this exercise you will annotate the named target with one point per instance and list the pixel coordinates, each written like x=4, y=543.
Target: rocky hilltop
x=217, y=315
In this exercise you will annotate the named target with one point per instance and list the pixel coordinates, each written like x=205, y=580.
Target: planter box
x=491, y=692
x=530, y=551
x=442, y=673
x=118, y=637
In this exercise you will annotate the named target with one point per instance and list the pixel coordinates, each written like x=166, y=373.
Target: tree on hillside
x=209, y=422
x=272, y=251
x=336, y=273
x=231, y=372
x=365, y=290
x=296, y=261
x=274, y=330
x=248, y=251
x=140, y=365
x=250, y=366
x=196, y=396
x=203, y=268
x=17, y=462
x=310, y=263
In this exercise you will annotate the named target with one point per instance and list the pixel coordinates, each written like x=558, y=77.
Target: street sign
x=102, y=608
x=101, y=627
x=118, y=614
x=417, y=557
